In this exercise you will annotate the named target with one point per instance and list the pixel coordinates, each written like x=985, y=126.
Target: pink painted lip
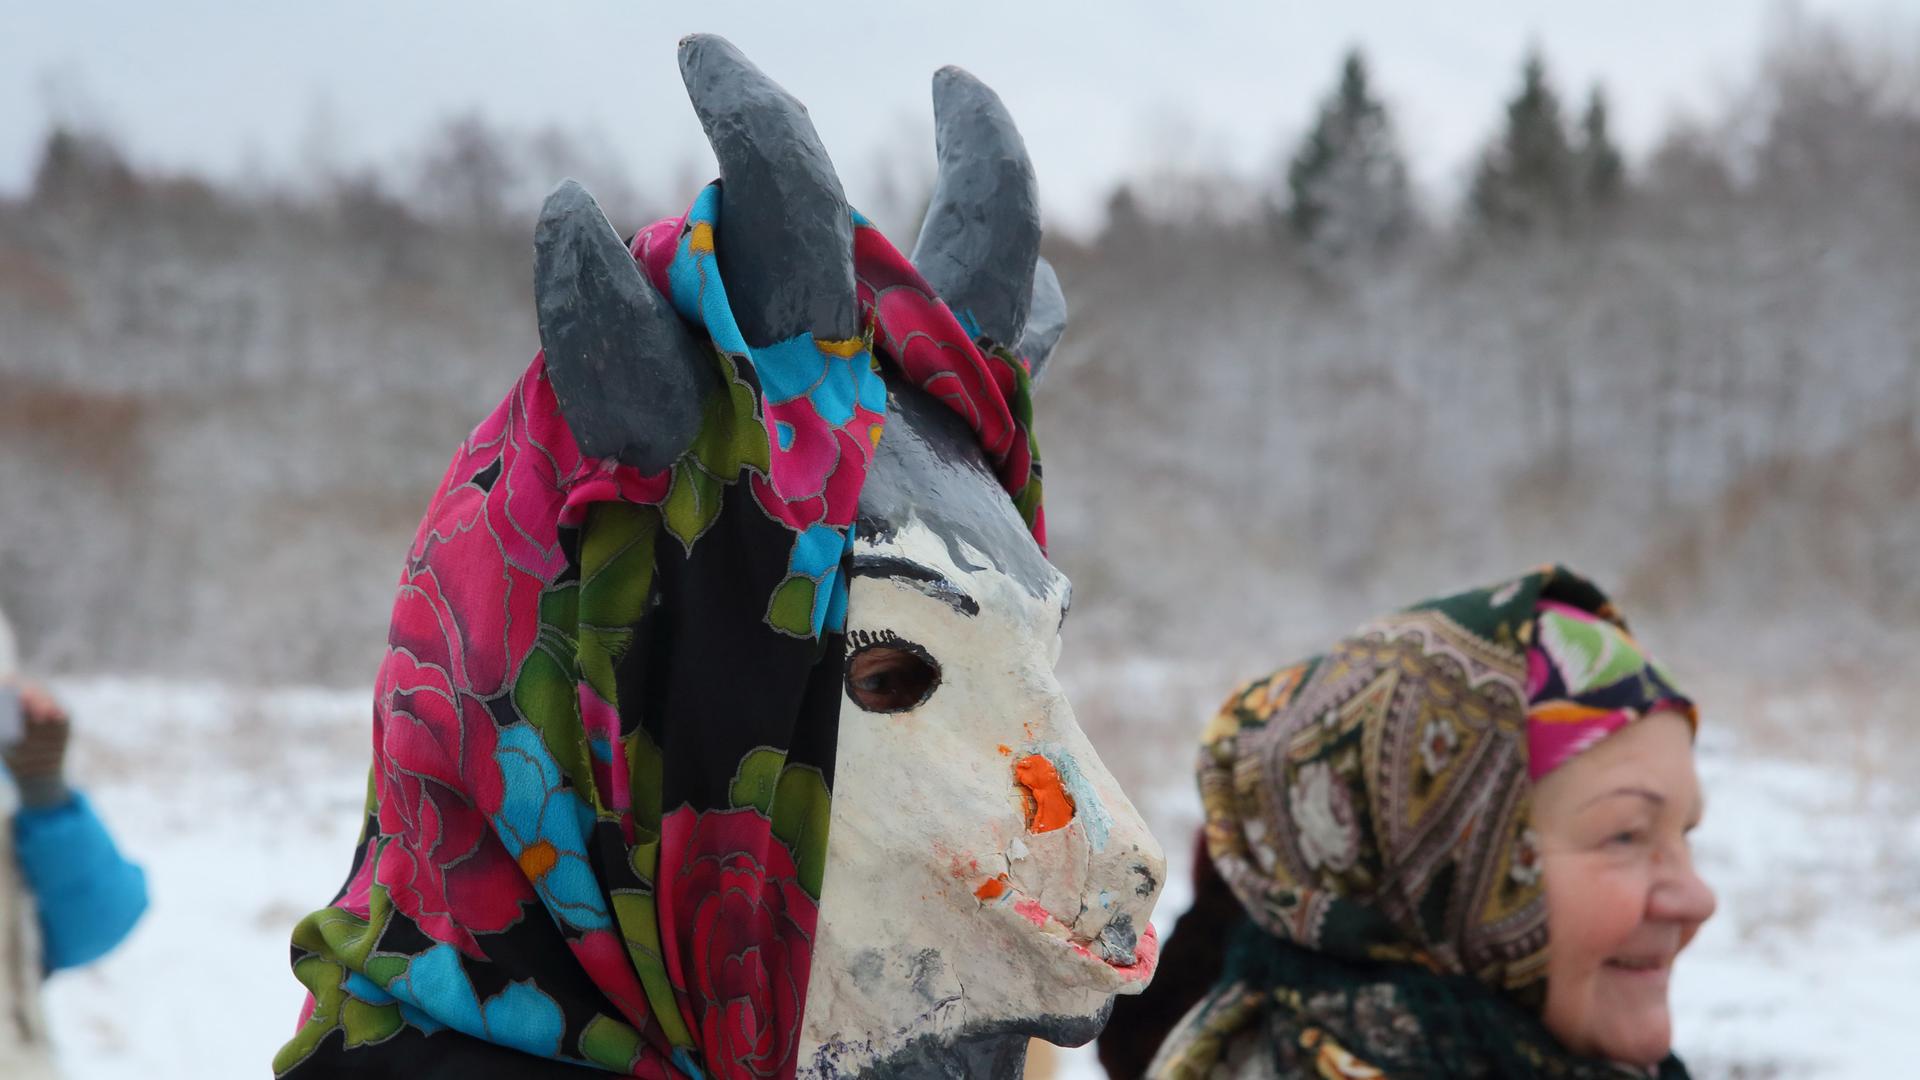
x=1146, y=949
x=1146, y=952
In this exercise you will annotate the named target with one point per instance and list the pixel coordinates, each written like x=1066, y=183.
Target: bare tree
x=467, y=173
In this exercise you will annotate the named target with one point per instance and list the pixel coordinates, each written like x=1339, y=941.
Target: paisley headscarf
x=1369, y=808
x=604, y=729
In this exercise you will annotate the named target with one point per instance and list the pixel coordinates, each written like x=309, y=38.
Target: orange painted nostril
x=992, y=889
x=1048, y=805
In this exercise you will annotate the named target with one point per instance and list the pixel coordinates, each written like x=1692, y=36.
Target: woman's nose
x=1684, y=896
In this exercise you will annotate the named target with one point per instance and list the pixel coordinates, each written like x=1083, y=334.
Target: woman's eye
x=1625, y=838
x=893, y=677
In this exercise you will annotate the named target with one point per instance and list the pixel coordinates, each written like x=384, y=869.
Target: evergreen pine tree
x=1527, y=178
x=1126, y=220
x=75, y=166
x=1347, y=183
x=1602, y=173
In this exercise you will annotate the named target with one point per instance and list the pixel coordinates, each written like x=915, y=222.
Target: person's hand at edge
x=38, y=760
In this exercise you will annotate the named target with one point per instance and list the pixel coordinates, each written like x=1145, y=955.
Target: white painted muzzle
x=985, y=870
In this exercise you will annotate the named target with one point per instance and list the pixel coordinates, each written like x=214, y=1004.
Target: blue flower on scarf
x=544, y=824
x=435, y=992
x=832, y=383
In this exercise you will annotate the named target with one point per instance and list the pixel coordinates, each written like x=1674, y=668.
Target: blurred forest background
x=1279, y=407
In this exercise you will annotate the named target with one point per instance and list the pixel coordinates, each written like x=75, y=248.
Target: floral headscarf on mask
x=1369, y=808
x=604, y=730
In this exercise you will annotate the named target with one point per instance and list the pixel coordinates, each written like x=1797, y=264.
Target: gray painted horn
x=786, y=234
x=1047, y=321
x=631, y=378
x=982, y=233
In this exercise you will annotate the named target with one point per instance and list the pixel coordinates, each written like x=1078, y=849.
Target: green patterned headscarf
x=1370, y=809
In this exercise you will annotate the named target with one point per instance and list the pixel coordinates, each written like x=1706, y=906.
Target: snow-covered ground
x=243, y=806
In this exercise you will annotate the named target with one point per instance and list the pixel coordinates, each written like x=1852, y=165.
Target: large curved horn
x=630, y=377
x=982, y=233
x=786, y=239
x=1048, y=319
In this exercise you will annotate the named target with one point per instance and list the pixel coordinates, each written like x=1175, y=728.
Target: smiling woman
x=1458, y=841
x=1622, y=896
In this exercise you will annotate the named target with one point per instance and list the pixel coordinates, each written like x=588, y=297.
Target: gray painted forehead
x=929, y=469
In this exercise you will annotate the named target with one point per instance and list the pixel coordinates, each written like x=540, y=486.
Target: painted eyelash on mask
x=862, y=639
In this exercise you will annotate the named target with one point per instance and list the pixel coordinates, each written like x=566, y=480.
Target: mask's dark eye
x=891, y=677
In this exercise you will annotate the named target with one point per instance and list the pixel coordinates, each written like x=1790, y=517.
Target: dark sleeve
x=1191, y=960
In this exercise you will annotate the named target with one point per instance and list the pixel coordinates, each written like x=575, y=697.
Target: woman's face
x=1622, y=895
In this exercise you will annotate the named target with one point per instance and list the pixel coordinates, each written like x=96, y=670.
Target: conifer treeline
x=1347, y=192
x=1718, y=348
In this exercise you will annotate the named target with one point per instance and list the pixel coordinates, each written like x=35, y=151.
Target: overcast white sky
x=1101, y=90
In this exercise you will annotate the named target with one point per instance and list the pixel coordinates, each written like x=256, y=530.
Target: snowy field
x=243, y=808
